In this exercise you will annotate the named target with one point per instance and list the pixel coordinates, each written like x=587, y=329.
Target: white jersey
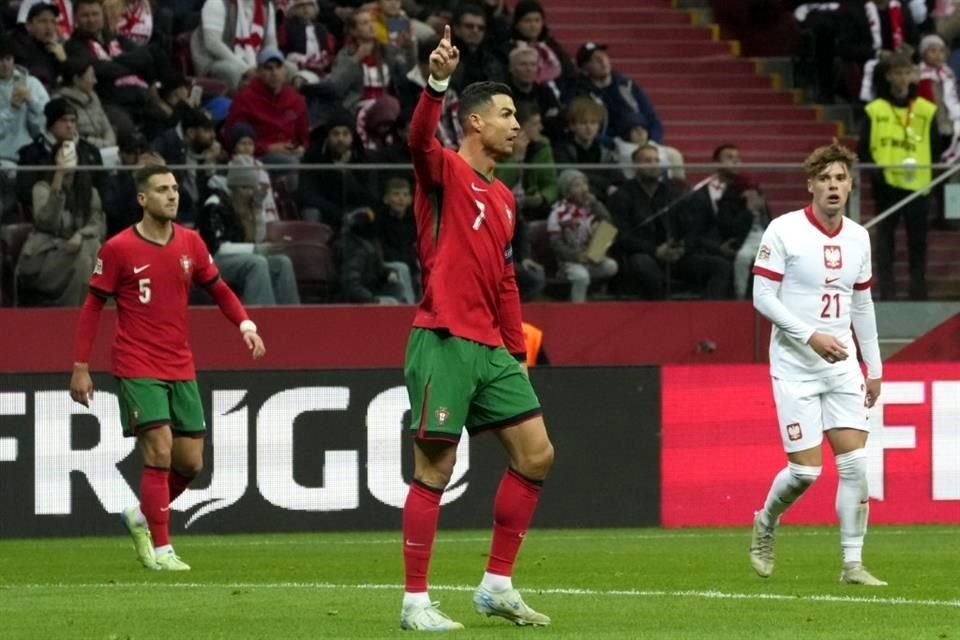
x=818, y=272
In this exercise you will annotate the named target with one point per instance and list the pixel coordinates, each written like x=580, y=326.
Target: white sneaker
x=761, y=548
x=170, y=561
x=509, y=605
x=856, y=573
x=426, y=617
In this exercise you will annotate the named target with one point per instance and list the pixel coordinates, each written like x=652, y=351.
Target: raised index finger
x=447, y=36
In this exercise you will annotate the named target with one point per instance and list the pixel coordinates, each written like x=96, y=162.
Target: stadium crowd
x=240, y=93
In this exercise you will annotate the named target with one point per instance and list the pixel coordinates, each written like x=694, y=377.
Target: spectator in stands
x=61, y=121
x=58, y=256
x=228, y=223
x=192, y=142
x=638, y=135
x=584, y=146
x=364, y=70
x=412, y=85
x=364, y=277
x=307, y=43
x=275, y=110
x=243, y=138
x=499, y=23
x=173, y=100
x=645, y=247
x=747, y=252
x=393, y=27
x=620, y=95
x=531, y=275
x=530, y=26
x=900, y=130
x=938, y=84
x=523, y=83
x=397, y=230
x=570, y=227
x=712, y=224
x=324, y=196
x=37, y=47
x=535, y=189
x=231, y=35
x=131, y=19
x=120, y=194
x=93, y=125
x=22, y=99
x=124, y=69
x=479, y=61
x=64, y=17
x=873, y=31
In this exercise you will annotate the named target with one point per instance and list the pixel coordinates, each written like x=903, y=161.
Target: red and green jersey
x=464, y=227
x=151, y=284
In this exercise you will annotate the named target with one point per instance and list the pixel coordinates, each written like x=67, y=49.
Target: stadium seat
x=286, y=231
x=12, y=238
x=315, y=270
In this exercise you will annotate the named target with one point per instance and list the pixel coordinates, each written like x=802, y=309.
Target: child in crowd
x=570, y=226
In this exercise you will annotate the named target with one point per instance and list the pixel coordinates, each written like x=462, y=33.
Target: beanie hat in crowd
x=635, y=119
x=241, y=130
x=931, y=40
x=243, y=172
x=567, y=178
x=56, y=109
x=218, y=108
x=196, y=119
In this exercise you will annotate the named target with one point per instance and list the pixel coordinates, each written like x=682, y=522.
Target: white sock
x=496, y=584
x=789, y=485
x=853, y=506
x=416, y=599
x=138, y=516
x=162, y=549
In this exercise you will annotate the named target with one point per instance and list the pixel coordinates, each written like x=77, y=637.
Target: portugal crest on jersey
x=832, y=258
x=186, y=263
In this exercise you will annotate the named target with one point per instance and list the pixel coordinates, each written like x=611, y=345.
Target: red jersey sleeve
x=106, y=271
x=511, y=322
x=426, y=150
x=205, y=272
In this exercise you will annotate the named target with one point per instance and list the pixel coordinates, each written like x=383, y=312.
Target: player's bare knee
x=189, y=468
x=536, y=463
x=804, y=475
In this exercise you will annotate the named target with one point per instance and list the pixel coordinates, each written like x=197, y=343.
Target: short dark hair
x=395, y=184
x=526, y=109
x=75, y=67
x=77, y=3
x=480, y=94
x=719, y=150
x=468, y=9
x=643, y=147
x=143, y=175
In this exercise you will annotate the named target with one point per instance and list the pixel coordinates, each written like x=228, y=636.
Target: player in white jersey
x=812, y=281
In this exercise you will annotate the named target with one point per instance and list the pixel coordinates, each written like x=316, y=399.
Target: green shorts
x=146, y=403
x=455, y=383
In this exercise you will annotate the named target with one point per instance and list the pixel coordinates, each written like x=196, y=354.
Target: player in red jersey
x=463, y=358
x=149, y=269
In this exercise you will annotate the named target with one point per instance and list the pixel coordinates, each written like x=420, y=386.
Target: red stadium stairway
x=707, y=95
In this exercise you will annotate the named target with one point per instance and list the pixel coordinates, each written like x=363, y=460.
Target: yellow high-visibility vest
x=901, y=136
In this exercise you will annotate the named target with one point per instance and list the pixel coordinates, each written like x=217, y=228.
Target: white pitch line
x=197, y=541
x=631, y=593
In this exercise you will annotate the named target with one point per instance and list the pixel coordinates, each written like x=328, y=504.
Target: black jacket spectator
x=40, y=153
x=36, y=56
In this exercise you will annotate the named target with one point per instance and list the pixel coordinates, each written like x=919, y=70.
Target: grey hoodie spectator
x=22, y=99
x=93, y=124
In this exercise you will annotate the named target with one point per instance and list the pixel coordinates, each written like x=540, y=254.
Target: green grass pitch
x=624, y=583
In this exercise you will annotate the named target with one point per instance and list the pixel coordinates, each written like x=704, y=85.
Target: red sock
x=421, y=512
x=513, y=509
x=177, y=484
x=155, y=503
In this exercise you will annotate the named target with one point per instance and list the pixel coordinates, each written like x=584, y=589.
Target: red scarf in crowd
x=250, y=34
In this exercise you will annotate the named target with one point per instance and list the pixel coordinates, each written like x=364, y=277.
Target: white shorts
x=807, y=408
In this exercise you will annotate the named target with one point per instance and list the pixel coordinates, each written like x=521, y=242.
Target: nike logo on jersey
x=139, y=269
x=831, y=280
x=477, y=189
